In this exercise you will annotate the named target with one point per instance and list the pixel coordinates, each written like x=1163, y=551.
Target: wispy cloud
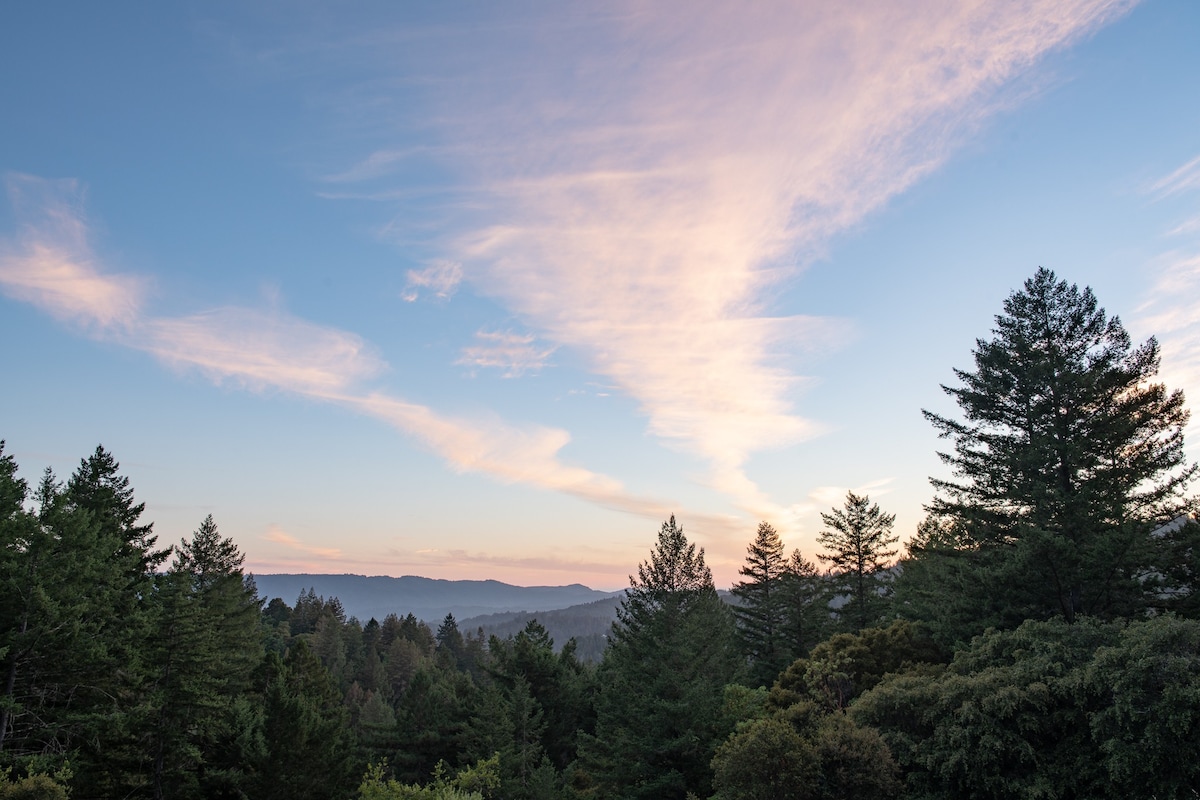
x=1170, y=310
x=441, y=279
x=513, y=353
x=507, y=453
x=378, y=164
x=574, y=564
x=262, y=349
x=49, y=263
x=1185, y=178
x=278, y=535
x=644, y=209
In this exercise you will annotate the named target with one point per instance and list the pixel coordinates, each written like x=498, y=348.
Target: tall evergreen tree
x=309, y=745
x=805, y=597
x=761, y=613
x=82, y=576
x=23, y=543
x=1067, y=455
x=662, y=680
x=857, y=537
x=206, y=646
x=98, y=488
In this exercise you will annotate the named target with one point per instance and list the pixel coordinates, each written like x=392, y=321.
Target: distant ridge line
x=429, y=599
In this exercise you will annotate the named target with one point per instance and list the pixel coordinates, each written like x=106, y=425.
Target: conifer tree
x=82, y=575
x=309, y=744
x=805, y=597
x=761, y=614
x=662, y=680
x=206, y=646
x=1066, y=457
x=857, y=537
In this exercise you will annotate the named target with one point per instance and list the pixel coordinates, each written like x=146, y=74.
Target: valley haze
x=428, y=599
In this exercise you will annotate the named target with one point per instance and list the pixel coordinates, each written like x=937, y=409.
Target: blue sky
x=488, y=291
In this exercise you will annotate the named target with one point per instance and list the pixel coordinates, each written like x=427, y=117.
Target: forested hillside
x=429, y=600
x=1038, y=636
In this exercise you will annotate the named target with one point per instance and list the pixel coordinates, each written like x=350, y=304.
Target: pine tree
x=206, y=646
x=23, y=543
x=309, y=744
x=662, y=680
x=856, y=537
x=804, y=594
x=1067, y=456
x=762, y=614
x=81, y=577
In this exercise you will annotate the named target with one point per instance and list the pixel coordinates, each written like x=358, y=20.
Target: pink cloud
x=513, y=353
x=49, y=263
x=278, y=535
x=261, y=349
x=271, y=349
x=644, y=212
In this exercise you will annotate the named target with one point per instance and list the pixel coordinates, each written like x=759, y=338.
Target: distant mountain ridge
x=429, y=599
x=588, y=624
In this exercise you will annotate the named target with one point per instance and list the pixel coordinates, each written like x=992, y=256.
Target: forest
x=1038, y=636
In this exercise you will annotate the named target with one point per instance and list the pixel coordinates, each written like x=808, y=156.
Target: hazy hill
x=426, y=598
x=588, y=624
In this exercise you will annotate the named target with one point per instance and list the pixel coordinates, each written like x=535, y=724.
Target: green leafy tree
x=766, y=760
x=23, y=548
x=433, y=718
x=802, y=754
x=661, y=683
x=845, y=665
x=761, y=612
x=1091, y=709
x=1067, y=456
x=479, y=781
x=857, y=537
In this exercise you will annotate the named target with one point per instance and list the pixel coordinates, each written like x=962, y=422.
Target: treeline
x=1037, y=637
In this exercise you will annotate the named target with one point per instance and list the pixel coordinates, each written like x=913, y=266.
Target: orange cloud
x=278, y=535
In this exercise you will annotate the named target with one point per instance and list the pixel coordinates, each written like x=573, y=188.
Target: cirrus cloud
x=639, y=184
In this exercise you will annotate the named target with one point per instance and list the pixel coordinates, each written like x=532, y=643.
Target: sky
x=491, y=290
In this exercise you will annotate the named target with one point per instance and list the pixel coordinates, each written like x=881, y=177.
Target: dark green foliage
x=857, y=537
x=767, y=760
x=1096, y=710
x=661, y=683
x=762, y=611
x=802, y=754
x=206, y=647
x=1067, y=456
x=77, y=603
x=1144, y=696
x=432, y=720
x=1176, y=576
x=805, y=597
x=558, y=685
x=844, y=666
x=306, y=731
